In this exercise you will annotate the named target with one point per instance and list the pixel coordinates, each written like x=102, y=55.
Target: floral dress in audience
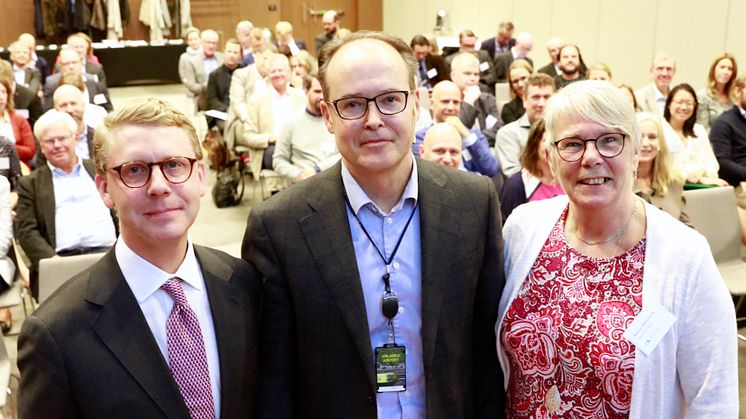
x=709, y=108
x=563, y=333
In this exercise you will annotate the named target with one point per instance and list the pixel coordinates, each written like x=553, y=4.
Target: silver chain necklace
x=616, y=236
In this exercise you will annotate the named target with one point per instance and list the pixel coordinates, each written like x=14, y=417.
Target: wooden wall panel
x=18, y=17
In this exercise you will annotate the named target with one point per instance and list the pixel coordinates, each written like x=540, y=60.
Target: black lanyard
x=389, y=303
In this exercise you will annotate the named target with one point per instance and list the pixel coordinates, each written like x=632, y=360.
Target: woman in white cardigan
x=612, y=308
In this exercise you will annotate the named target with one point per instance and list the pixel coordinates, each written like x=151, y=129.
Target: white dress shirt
x=145, y=280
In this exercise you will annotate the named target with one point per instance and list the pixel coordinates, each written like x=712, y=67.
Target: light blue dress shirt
x=406, y=281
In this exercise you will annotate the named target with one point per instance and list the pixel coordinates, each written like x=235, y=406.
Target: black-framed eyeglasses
x=136, y=174
x=608, y=145
x=355, y=107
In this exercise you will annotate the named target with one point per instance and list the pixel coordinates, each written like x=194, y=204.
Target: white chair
x=502, y=93
x=424, y=97
x=714, y=214
x=53, y=272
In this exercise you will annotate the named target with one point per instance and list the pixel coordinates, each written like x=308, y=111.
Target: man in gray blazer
x=159, y=327
x=382, y=274
x=652, y=97
x=199, y=66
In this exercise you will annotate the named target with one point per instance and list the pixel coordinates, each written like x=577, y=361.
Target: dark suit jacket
x=32, y=78
x=439, y=64
x=502, y=65
x=88, y=351
x=548, y=70
x=24, y=98
x=489, y=45
x=317, y=360
x=484, y=107
x=43, y=66
x=35, y=225
x=94, y=89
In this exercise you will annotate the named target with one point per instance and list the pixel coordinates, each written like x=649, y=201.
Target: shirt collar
x=743, y=112
x=144, y=278
x=658, y=94
x=358, y=198
x=57, y=171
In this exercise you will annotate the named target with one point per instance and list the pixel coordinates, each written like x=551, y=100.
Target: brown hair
x=520, y=63
x=530, y=154
x=711, y=88
x=141, y=111
x=9, y=106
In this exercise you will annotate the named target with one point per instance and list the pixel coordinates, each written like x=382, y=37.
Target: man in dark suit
x=219, y=81
x=467, y=39
x=501, y=43
x=478, y=109
x=59, y=212
x=25, y=74
x=38, y=62
x=431, y=68
x=523, y=45
x=158, y=327
x=330, y=22
x=347, y=311
x=97, y=92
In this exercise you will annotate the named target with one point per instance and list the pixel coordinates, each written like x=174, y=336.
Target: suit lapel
x=327, y=234
x=123, y=329
x=229, y=321
x=438, y=232
x=45, y=187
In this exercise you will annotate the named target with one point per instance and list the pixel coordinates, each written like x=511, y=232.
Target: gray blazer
x=315, y=346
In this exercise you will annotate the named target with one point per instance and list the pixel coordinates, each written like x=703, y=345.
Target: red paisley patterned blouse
x=563, y=333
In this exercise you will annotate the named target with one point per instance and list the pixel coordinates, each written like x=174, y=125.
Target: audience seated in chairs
x=60, y=212
x=83, y=45
x=267, y=115
x=523, y=46
x=98, y=94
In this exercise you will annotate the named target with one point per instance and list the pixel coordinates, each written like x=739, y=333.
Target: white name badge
x=484, y=66
x=99, y=99
x=23, y=113
x=432, y=73
x=328, y=147
x=466, y=155
x=649, y=327
x=4, y=163
x=490, y=121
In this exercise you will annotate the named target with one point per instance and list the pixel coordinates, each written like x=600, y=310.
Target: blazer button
x=371, y=399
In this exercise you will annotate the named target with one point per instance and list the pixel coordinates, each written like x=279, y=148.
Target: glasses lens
x=351, y=108
x=177, y=170
x=135, y=174
x=392, y=102
x=610, y=145
x=570, y=149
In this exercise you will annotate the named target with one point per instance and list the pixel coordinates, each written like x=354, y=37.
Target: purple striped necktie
x=186, y=354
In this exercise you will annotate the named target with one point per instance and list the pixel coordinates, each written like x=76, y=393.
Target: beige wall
x=625, y=34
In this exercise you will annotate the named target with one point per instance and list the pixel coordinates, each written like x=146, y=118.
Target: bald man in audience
x=467, y=41
x=442, y=145
x=70, y=63
x=330, y=23
x=524, y=43
x=553, y=47
x=652, y=98
x=478, y=109
x=445, y=105
x=199, y=66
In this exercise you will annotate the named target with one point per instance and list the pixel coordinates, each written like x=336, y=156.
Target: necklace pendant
x=552, y=400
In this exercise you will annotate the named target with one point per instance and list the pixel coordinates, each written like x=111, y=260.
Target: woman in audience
x=688, y=141
x=535, y=180
x=518, y=73
x=14, y=126
x=7, y=268
x=194, y=46
x=599, y=71
x=715, y=98
x=301, y=64
x=656, y=182
x=629, y=93
x=590, y=275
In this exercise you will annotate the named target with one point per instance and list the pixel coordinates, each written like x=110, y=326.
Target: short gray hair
x=53, y=117
x=593, y=101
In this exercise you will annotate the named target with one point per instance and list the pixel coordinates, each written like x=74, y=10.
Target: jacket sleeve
x=24, y=138
x=28, y=230
x=720, y=137
x=481, y=159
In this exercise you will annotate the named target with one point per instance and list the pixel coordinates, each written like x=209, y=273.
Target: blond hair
x=663, y=171
x=141, y=111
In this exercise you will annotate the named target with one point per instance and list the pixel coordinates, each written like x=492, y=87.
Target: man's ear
x=103, y=189
x=326, y=111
